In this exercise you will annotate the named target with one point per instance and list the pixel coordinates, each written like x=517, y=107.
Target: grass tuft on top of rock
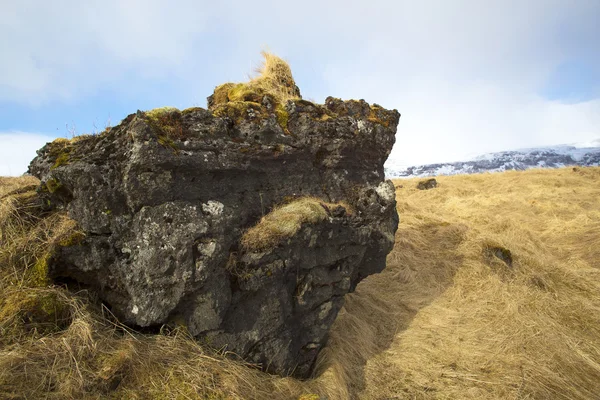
x=274, y=80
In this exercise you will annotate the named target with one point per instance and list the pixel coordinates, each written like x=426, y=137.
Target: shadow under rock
x=419, y=269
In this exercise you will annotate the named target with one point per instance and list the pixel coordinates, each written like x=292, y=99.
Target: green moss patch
x=247, y=92
x=60, y=151
x=41, y=311
x=221, y=93
x=72, y=239
x=282, y=117
x=38, y=275
x=167, y=122
x=166, y=141
x=62, y=159
x=157, y=114
x=53, y=185
x=190, y=110
x=63, y=151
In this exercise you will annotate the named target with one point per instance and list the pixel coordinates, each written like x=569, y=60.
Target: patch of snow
x=582, y=154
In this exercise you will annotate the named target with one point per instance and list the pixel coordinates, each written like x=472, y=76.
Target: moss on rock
x=53, y=185
x=166, y=141
x=38, y=311
x=190, y=110
x=62, y=159
x=247, y=92
x=60, y=152
x=167, y=123
x=221, y=93
x=282, y=117
x=38, y=275
x=72, y=239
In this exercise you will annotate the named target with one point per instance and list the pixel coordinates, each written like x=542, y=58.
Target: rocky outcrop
x=247, y=223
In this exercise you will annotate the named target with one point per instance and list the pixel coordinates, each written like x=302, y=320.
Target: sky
x=468, y=76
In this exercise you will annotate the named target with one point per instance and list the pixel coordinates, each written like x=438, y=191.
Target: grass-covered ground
x=491, y=292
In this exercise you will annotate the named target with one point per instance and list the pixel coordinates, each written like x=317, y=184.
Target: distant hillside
x=585, y=155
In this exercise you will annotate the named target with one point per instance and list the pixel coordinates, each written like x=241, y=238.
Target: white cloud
x=64, y=49
x=17, y=150
x=465, y=74
x=441, y=127
x=445, y=121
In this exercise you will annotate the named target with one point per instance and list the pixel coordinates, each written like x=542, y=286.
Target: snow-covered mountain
x=584, y=154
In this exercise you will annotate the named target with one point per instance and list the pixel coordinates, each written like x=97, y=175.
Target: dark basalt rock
x=164, y=198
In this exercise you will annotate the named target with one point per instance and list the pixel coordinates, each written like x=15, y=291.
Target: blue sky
x=467, y=76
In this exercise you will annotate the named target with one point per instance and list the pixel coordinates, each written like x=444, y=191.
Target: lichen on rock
x=247, y=223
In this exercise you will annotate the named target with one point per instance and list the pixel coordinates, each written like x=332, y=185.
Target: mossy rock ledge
x=247, y=222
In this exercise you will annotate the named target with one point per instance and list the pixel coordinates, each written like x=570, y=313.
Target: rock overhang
x=166, y=197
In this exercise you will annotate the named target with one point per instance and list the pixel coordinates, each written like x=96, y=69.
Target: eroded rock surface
x=165, y=197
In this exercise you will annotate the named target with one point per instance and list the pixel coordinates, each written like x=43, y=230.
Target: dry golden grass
x=447, y=319
x=284, y=221
x=274, y=79
x=8, y=185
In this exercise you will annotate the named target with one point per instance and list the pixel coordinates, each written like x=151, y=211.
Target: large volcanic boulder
x=247, y=223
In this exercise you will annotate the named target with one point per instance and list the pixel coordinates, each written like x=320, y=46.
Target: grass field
x=491, y=292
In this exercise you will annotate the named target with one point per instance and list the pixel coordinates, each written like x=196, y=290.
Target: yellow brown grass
x=447, y=319
x=10, y=184
x=28, y=234
x=284, y=221
x=274, y=79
